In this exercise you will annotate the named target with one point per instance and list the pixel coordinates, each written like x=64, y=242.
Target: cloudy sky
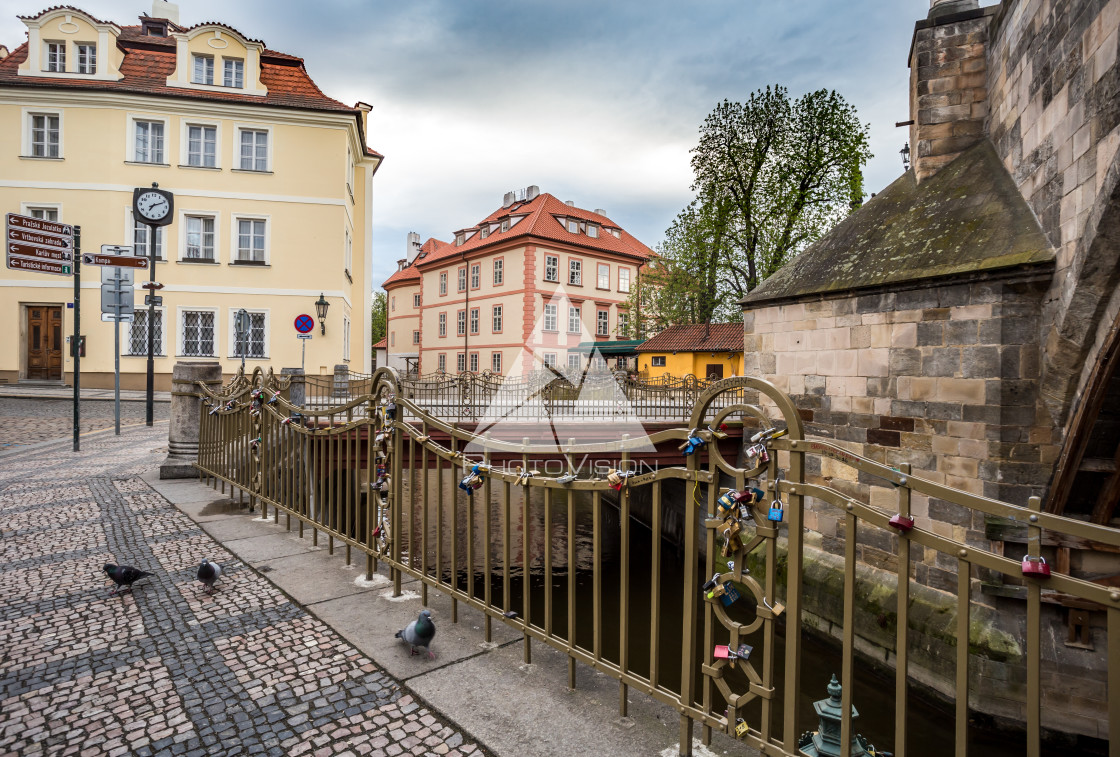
x=595, y=102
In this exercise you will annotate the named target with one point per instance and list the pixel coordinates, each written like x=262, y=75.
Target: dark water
x=930, y=724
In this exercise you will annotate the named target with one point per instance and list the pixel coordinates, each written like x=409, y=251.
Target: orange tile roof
x=540, y=221
x=721, y=337
x=381, y=344
x=412, y=273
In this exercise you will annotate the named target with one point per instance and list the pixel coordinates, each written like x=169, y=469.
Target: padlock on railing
x=902, y=522
x=616, y=478
x=1035, y=566
x=759, y=451
x=390, y=410
x=777, y=511
x=566, y=479
x=692, y=444
x=741, y=728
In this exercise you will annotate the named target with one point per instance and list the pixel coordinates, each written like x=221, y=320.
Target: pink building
x=536, y=272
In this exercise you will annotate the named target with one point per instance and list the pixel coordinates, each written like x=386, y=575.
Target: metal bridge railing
x=517, y=548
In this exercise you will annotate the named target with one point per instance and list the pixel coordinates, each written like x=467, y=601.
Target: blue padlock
x=730, y=594
x=777, y=511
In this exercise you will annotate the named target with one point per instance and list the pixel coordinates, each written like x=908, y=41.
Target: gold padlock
x=741, y=728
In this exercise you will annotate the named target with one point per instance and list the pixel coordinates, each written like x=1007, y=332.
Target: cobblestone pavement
x=167, y=669
x=31, y=420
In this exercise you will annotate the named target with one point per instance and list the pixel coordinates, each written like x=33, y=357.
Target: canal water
x=931, y=725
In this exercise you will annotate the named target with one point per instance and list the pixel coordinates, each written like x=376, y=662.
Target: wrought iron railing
x=512, y=549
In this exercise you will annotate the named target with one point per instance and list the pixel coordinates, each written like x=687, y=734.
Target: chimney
x=508, y=199
x=948, y=83
x=570, y=203
x=600, y=211
x=532, y=192
x=412, y=247
x=164, y=9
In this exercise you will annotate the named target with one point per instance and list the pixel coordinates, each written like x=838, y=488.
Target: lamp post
x=321, y=306
x=905, y=153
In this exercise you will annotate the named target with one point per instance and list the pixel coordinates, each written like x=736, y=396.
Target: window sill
x=200, y=168
x=129, y=354
x=41, y=157
x=251, y=263
x=551, y=281
x=190, y=357
x=603, y=289
x=575, y=285
x=199, y=261
x=250, y=170
x=247, y=358
x=146, y=163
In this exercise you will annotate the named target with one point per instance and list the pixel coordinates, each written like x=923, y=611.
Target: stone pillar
x=341, y=381
x=186, y=404
x=297, y=389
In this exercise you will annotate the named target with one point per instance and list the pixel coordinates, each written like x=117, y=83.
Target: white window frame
x=496, y=318
x=132, y=153
x=574, y=318
x=238, y=130
x=461, y=279
x=593, y=230
x=474, y=320
x=461, y=362
x=575, y=272
x=232, y=337
x=476, y=275
x=180, y=320
x=653, y=361
x=45, y=208
x=575, y=361
x=622, y=322
x=126, y=339
x=442, y=320
x=602, y=323
x=27, y=149
x=550, y=359
x=573, y=226
x=460, y=323
x=416, y=336
x=549, y=318
x=185, y=144
x=85, y=64
x=184, y=222
x=346, y=338
x=602, y=280
x=235, y=239
x=197, y=58
x=496, y=362
x=239, y=73
x=50, y=47
x=140, y=249
x=625, y=288
x=499, y=272
x=473, y=362
x=555, y=260
x=416, y=300
x=443, y=283
x=441, y=362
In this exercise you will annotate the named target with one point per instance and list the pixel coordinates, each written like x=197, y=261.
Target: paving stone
x=165, y=668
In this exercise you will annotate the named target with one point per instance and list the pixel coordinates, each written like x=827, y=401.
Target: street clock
x=153, y=206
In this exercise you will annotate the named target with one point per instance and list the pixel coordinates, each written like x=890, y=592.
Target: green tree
x=771, y=176
x=377, y=317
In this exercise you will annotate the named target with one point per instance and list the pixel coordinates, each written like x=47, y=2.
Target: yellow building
x=271, y=181
x=537, y=275
x=707, y=351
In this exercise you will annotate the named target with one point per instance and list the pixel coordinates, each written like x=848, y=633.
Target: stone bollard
x=297, y=389
x=182, y=438
x=341, y=381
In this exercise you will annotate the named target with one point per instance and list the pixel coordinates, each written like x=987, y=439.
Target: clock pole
x=149, y=411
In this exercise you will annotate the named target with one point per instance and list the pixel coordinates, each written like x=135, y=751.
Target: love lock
x=1035, y=566
x=902, y=522
x=741, y=728
x=777, y=511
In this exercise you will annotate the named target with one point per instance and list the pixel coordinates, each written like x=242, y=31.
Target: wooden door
x=713, y=371
x=44, y=342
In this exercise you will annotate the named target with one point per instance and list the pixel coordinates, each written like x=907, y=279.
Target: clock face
x=152, y=205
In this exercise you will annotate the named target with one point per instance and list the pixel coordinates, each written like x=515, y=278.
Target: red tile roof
x=721, y=337
x=412, y=273
x=382, y=344
x=539, y=221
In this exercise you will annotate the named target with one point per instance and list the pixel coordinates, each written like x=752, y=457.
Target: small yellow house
x=710, y=351
x=271, y=182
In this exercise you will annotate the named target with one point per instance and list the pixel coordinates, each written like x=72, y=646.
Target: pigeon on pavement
x=123, y=575
x=419, y=633
x=208, y=573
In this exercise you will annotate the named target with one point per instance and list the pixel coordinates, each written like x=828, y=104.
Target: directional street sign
x=304, y=336
x=39, y=239
x=153, y=299
x=27, y=223
x=121, y=261
x=39, y=253
x=109, y=318
x=40, y=266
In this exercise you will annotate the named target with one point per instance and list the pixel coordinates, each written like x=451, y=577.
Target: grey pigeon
x=123, y=575
x=419, y=633
x=208, y=573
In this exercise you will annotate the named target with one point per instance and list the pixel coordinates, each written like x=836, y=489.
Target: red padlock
x=902, y=522
x=1035, y=566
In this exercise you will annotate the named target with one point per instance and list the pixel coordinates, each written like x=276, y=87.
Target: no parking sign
x=304, y=323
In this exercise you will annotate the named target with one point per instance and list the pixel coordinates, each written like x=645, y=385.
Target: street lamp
x=905, y=153
x=321, y=306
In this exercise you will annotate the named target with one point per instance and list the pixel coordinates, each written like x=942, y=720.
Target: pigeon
x=208, y=573
x=123, y=575
x=419, y=633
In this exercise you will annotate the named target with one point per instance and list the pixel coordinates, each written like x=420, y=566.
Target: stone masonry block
x=980, y=362
x=941, y=361
x=905, y=362
x=961, y=390
x=929, y=334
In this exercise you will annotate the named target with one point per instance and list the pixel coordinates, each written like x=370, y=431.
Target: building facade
x=271, y=182
x=538, y=276
x=707, y=351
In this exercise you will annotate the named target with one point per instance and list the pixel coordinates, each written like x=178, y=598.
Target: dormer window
x=233, y=74
x=460, y=238
x=505, y=225
x=484, y=232
x=203, y=69
x=617, y=233
x=592, y=231
x=153, y=28
x=87, y=58
x=573, y=226
x=56, y=57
